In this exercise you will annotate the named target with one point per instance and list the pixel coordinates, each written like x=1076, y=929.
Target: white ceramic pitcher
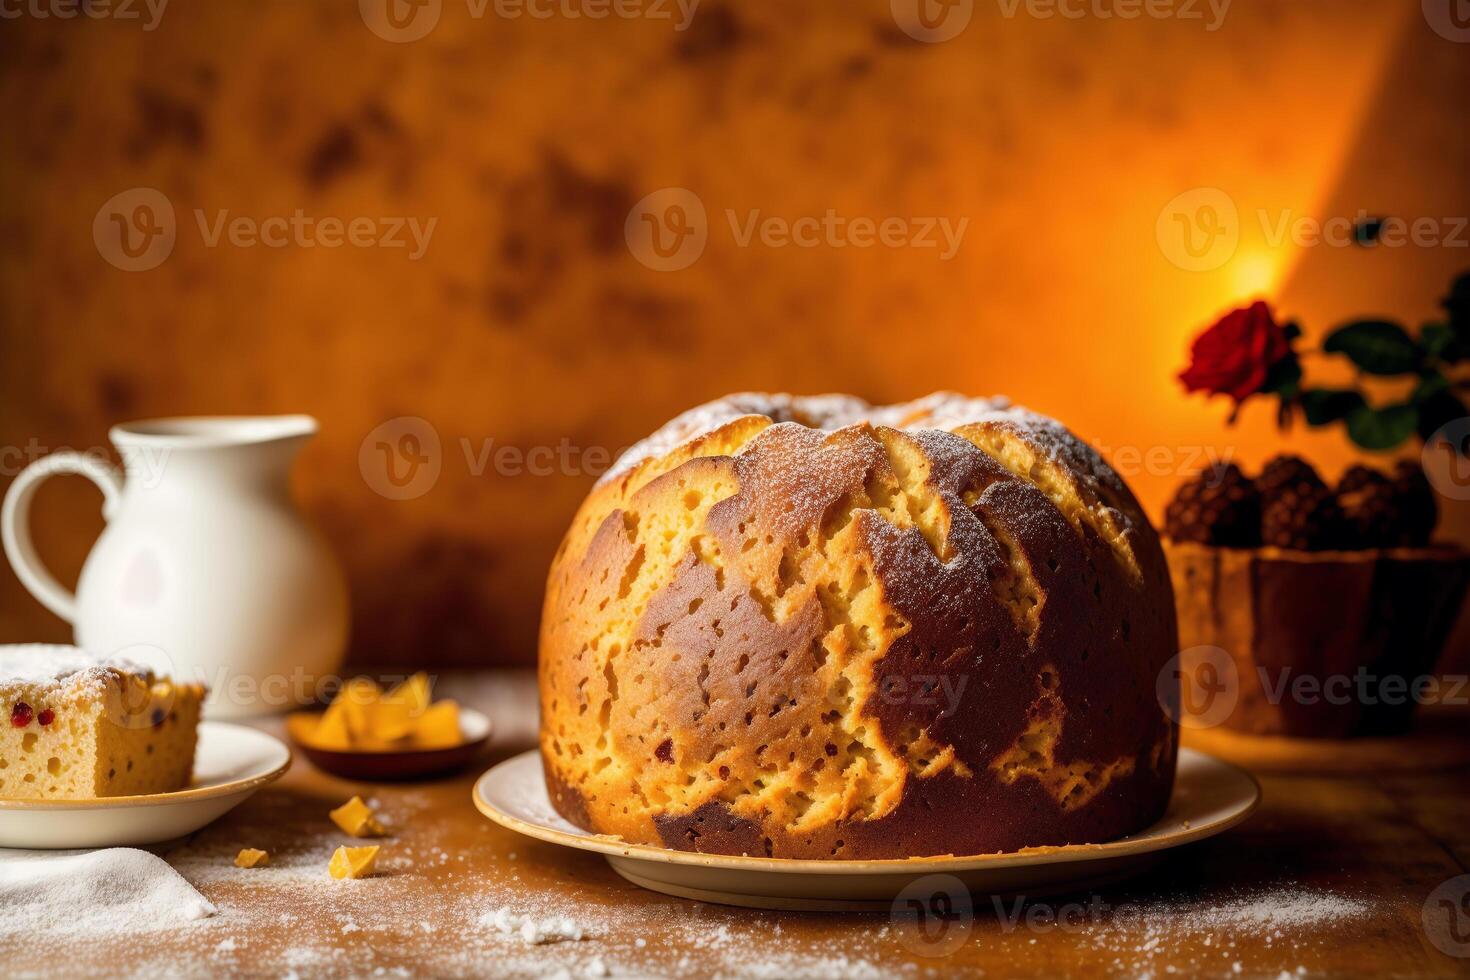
x=205, y=564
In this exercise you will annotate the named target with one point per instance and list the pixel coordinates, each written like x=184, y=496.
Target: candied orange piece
x=413, y=692
x=353, y=862
x=357, y=819
x=438, y=728
x=251, y=857
x=357, y=698
x=331, y=731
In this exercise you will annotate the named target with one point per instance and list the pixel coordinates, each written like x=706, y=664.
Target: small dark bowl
x=377, y=767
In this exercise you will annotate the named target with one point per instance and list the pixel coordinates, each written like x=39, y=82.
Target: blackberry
x=1286, y=472
x=1418, y=510
x=1371, y=507
x=1304, y=517
x=1219, y=507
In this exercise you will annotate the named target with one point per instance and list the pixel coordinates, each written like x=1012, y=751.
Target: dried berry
x=46, y=717
x=1286, y=472
x=20, y=715
x=1419, y=512
x=1304, y=518
x=1219, y=507
x=1370, y=507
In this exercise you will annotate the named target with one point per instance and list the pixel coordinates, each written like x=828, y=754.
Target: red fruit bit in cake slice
x=20, y=715
x=46, y=717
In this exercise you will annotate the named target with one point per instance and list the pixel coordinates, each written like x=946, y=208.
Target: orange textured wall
x=529, y=321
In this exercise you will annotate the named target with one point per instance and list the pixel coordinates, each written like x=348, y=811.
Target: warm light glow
x=1255, y=274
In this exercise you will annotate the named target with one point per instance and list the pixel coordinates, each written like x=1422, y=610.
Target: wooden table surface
x=1330, y=877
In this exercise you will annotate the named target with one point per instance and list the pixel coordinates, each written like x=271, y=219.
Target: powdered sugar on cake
x=58, y=667
x=944, y=410
x=827, y=412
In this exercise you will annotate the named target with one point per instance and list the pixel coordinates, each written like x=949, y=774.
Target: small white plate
x=1210, y=797
x=230, y=764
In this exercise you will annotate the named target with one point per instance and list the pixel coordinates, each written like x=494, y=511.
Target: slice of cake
x=76, y=725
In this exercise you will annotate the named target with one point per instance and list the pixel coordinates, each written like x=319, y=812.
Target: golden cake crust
x=814, y=628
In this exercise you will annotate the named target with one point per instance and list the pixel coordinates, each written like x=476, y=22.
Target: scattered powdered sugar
x=531, y=930
x=1212, y=933
x=796, y=968
x=119, y=890
x=1283, y=908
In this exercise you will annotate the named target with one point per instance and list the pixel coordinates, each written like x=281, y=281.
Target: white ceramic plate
x=1210, y=797
x=230, y=764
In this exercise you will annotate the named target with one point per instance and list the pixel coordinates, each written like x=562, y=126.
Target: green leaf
x=1429, y=386
x=1439, y=410
x=1382, y=428
x=1375, y=346
x=1457, y=304
x=1284, y=377
x=1435, y=339
x=1323, y=406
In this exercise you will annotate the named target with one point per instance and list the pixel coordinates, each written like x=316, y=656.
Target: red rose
x=1234, y=356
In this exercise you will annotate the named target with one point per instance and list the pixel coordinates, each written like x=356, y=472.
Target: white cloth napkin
x=120, y=889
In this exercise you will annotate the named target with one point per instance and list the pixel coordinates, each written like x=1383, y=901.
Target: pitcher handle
x=15, y=526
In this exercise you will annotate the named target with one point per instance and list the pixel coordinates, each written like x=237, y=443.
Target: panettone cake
x=815, y=628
